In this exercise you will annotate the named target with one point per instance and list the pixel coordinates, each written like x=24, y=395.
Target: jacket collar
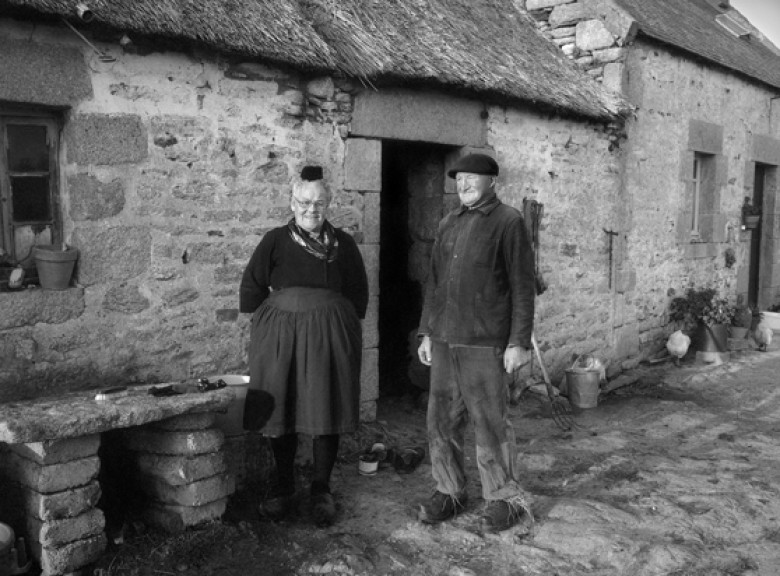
x=486, y=205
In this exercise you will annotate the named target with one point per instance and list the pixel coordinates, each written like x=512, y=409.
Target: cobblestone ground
x=677, y=473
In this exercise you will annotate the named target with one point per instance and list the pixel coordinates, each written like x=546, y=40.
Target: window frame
x=52, y=121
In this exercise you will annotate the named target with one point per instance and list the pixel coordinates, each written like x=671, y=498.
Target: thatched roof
x=691, y=25
x=487, y=47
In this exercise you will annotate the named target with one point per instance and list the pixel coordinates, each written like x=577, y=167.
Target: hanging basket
x=55, y=266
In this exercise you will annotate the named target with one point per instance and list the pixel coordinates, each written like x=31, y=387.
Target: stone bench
x=50, y=461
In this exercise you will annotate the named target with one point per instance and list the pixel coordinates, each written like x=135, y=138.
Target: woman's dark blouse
x=279, y=262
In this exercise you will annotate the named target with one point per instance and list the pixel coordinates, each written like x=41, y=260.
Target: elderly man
x=476, y=326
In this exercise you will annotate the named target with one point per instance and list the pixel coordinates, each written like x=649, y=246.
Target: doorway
x=755, y=239
x=412, y=203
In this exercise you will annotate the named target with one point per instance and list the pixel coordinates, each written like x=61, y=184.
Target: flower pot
x=55, y=266
x=714, y=338
x=738, y=332
x=751, y=222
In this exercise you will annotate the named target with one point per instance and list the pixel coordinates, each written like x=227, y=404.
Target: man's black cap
x=476, y=164
x=311, y=173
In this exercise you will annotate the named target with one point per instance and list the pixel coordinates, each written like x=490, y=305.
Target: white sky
x=764, y=15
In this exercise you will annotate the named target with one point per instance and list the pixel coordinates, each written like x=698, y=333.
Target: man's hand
x=424, y=351
x=515, y=357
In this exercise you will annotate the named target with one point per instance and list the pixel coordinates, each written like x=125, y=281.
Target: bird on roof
x=763, y=336
x=677, y=345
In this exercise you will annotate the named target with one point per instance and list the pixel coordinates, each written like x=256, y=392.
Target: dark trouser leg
x=284, y=449
x=483, y=386
x=325, y=451
x=446, y=422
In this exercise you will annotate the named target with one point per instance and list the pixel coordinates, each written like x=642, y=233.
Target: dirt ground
x=676, y=474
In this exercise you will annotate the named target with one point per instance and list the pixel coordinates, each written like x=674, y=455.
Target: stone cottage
x=160, y=140
x=705, y=136
x=167, y=139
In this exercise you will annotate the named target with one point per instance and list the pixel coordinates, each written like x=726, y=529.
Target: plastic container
x=6, y=549
x=583, y=388
x=368, y=464
x=232, y=421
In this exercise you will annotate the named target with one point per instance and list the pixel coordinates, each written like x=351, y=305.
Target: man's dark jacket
x=481, y=288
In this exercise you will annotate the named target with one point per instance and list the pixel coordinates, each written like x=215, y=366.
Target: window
x=29, y=202
x=701, y=190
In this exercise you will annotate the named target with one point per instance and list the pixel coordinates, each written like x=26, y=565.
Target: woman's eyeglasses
x=306, y=204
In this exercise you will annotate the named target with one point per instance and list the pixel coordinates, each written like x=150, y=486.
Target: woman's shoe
x=277, y=505
x=407, y=458
x=323, y=507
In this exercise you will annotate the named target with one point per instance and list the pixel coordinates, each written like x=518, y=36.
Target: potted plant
x=743, y=320
x=707, y=314
x=751, y=215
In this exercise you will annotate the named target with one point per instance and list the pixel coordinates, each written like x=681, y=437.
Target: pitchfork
x=562, y=413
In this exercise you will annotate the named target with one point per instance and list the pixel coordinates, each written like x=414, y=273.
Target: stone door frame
x=766, y=151
x=405, y=115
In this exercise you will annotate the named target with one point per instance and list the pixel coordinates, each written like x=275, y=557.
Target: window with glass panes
x=29, y=209
x=702, y=189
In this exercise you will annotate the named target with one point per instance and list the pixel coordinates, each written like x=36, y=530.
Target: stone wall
x=173, y=167
x=570, y=167
x=590, y=32
x=684, y=107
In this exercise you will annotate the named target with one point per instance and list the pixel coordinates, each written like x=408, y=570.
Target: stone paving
x=677, y=473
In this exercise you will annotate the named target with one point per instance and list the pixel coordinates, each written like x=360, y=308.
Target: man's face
x=309, y=204
x=472, y=187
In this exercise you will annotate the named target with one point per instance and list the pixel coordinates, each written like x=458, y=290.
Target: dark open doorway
x=754, y=276
x=412, y=203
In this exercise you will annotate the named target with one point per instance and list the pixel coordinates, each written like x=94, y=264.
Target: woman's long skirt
x=305, y=351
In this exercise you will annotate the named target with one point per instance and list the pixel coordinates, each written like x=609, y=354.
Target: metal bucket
x=583, y=388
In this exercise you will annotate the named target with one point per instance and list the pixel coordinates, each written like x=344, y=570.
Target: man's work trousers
x=470, y=382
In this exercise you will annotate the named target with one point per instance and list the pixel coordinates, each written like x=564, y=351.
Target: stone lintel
x=419, y=117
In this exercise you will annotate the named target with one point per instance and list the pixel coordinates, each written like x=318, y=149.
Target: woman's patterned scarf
x=325, y=247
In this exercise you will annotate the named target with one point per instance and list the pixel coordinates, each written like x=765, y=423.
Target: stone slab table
x=49, y=465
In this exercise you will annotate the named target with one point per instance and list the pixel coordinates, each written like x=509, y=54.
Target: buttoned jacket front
x=480, y=291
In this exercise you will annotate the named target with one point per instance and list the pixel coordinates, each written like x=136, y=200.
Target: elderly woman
x=306, y=287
